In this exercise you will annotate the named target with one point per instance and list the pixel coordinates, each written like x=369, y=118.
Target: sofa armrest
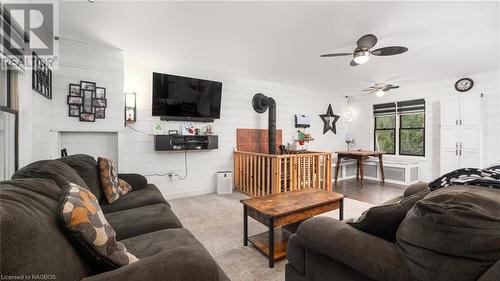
x=135, y=180
x=415, y=188
x=492, y=273
x=363, y=252
x=296, y=254
x=179, y=264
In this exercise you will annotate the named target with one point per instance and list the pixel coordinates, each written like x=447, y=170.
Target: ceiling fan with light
x=363, y=51
x=379, y=89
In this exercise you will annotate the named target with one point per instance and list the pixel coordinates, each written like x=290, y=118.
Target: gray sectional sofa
x=452, y=233
x=33, y=244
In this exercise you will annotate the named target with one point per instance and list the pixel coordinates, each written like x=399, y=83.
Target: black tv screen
x=178, y=96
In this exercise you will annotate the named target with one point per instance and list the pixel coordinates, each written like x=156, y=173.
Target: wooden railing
x=258, y=174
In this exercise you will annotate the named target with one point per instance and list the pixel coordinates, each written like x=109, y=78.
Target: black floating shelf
x=179, y=142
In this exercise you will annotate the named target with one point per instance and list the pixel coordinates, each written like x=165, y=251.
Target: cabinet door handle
x=456, y=122
x=460, y=122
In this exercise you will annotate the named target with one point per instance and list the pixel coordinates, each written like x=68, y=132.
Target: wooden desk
x=278, y=210
x=359, y=155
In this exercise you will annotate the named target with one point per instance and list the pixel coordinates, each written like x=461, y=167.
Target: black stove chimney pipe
x=260, y=104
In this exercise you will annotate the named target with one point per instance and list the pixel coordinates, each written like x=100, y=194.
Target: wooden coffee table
x=278, y=210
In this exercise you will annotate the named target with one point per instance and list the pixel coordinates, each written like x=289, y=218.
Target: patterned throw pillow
x=114, y=188
x=81, y=214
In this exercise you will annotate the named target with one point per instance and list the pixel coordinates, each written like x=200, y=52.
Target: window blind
x=411, y=106
x=384, y=109
x=13, y=40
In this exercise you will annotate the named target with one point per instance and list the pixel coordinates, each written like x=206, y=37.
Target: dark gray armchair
x=451, y=234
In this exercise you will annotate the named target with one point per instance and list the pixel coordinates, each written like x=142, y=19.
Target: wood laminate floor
x=373, y=192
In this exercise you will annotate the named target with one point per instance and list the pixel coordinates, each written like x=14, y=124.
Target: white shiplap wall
x=80, y=61
x=433, y=91
x=136, y=151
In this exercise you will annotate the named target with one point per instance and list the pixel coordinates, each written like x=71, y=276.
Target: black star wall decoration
x=329, y=119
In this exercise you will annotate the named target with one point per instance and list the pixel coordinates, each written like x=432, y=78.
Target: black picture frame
x=73, y=93
x=100, y=113
x=71, y=100
x=87, y=117
x=84, y=84
x=87, y=104
x=74, y=111
x=100, y=93
x=99, y=103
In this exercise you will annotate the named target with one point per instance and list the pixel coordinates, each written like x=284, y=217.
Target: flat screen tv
x=184, y=98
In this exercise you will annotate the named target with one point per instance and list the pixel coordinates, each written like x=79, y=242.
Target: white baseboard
x=171, y=196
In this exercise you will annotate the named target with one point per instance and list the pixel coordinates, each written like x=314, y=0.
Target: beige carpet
x=217, y=221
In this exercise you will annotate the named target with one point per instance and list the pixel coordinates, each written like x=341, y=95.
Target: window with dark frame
x=9, y=112
x=410, y=125
x=385, y=127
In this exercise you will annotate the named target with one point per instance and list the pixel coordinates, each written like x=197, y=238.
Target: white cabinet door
x=450, y=134
x=470, y=111
x=450, y=112
x=470, y=131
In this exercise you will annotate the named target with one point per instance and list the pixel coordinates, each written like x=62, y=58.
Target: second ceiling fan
x=363, y=51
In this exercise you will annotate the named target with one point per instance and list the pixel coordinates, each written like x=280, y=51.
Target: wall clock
x=464, y=84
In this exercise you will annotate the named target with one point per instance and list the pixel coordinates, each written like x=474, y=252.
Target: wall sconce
x=130, y=107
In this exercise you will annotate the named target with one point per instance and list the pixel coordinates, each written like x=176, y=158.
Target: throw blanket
x=468, y=176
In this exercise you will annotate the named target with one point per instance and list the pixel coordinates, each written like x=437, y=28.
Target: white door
x=450, y=134
x=470, y=131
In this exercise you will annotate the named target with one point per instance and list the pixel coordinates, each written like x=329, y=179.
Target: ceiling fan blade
x=389, y=51
x=336, y=55
x=367, y=41
x=389, y=87
x=367, y=90
x=353, y=63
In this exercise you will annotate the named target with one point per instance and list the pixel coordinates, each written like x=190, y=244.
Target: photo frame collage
x=87, y=101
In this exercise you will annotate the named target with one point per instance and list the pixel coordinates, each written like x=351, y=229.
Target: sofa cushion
x=322, y=268
x=80, y=213
x=188, y=256
x=171, y=254
x=86, y=167
x=54, y=170
x=452, y=234
x=145, y=219
x=31, y=239
x=113, y=187
x=134, y=199
x=383, y=220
